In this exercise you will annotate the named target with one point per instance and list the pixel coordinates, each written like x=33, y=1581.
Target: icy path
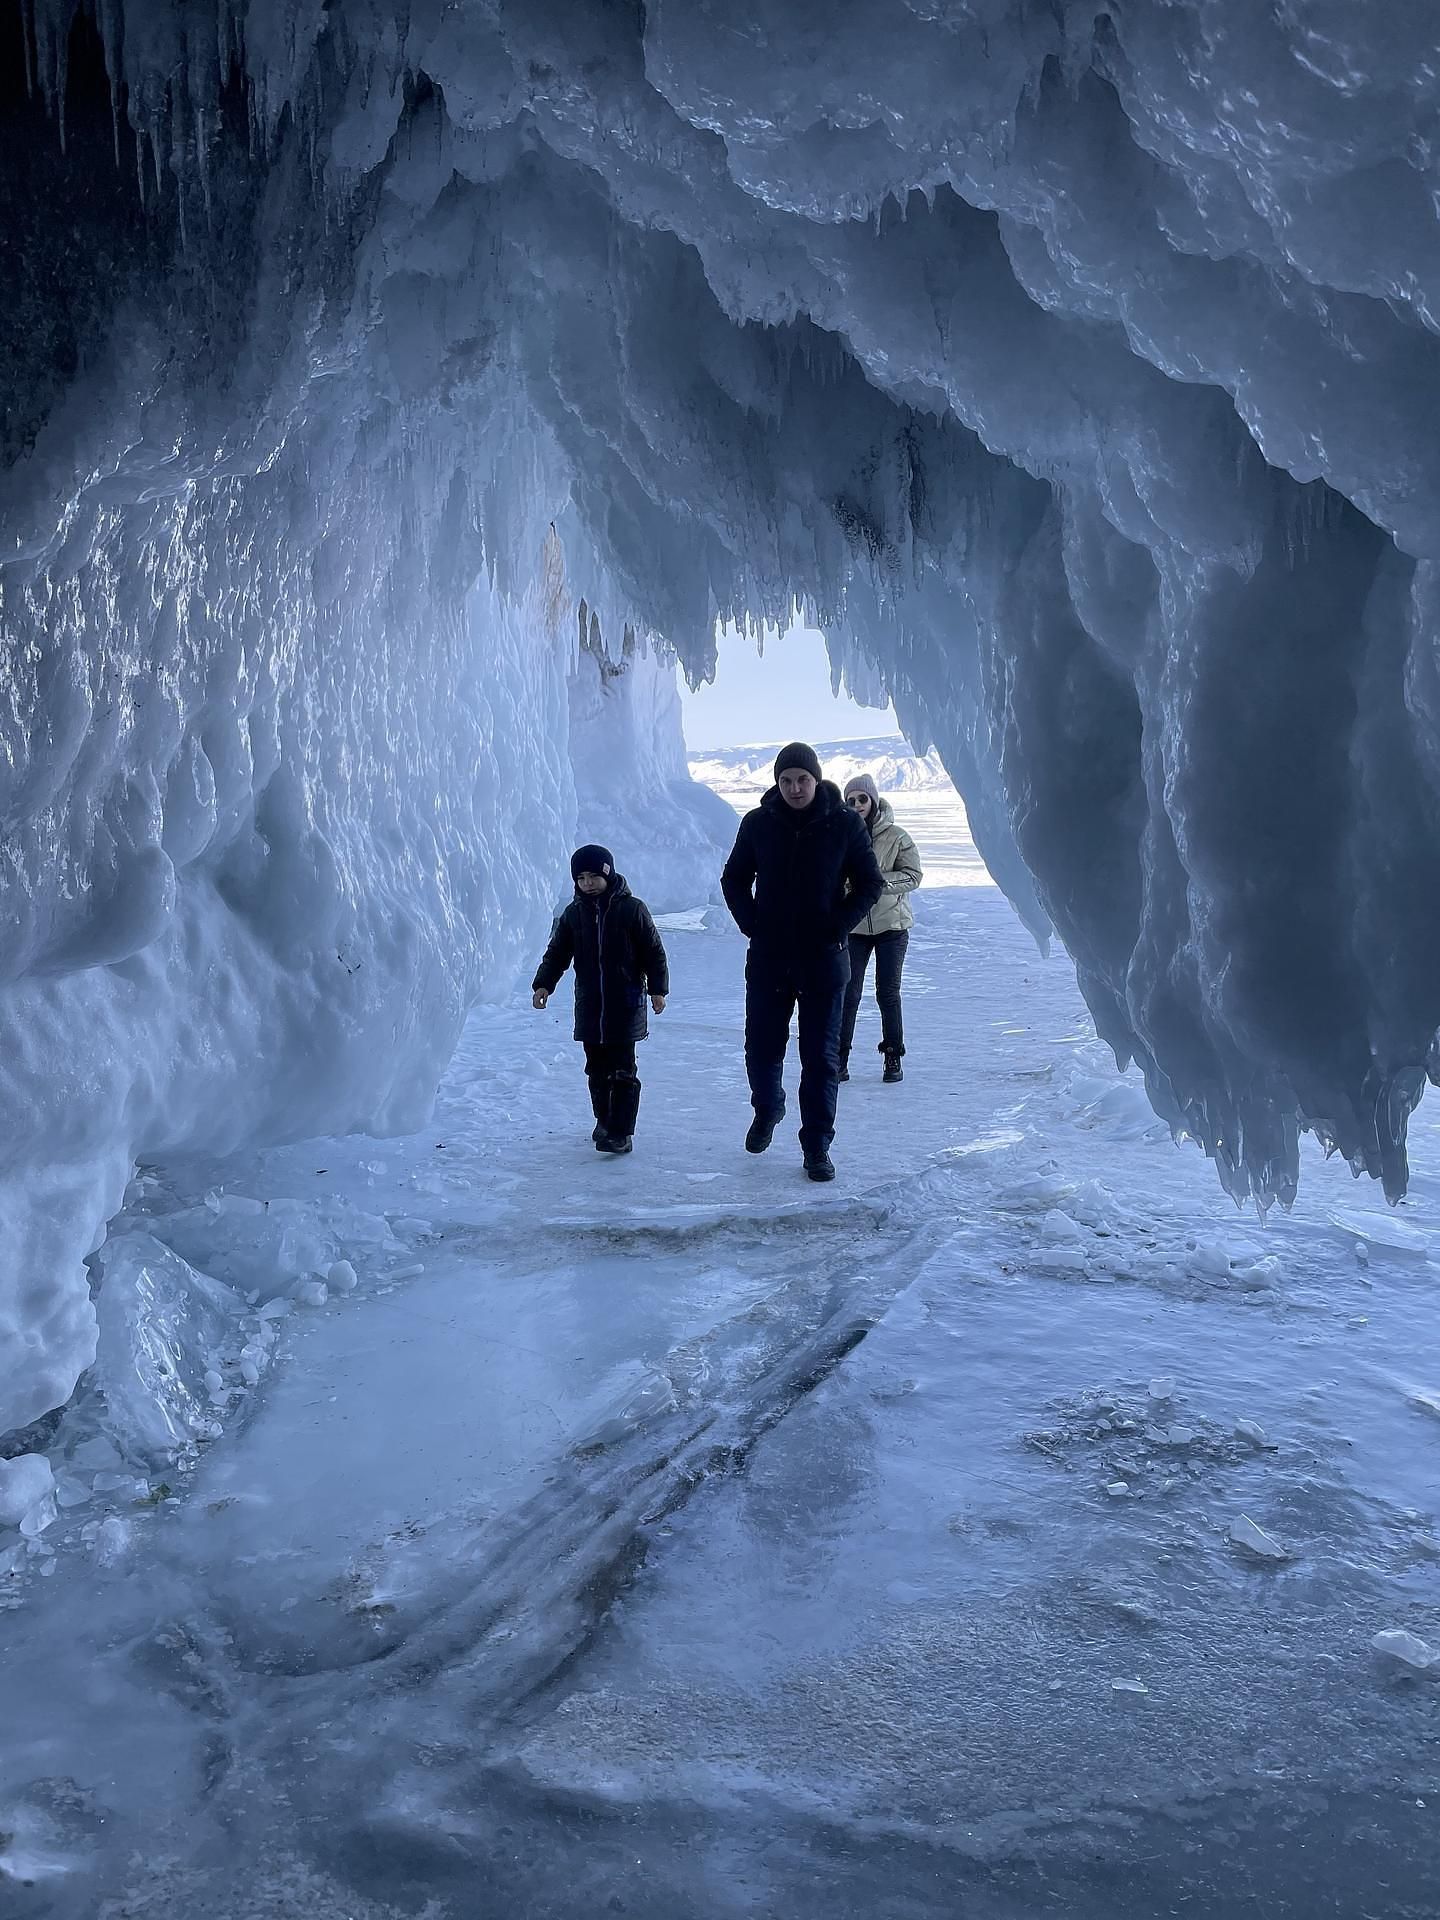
x=671, y=1537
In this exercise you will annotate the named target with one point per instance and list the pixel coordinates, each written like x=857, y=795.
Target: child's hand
x=538, y=998
x=657, y=1001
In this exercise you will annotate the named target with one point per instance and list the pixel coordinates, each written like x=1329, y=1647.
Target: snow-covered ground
x=1003, y=1531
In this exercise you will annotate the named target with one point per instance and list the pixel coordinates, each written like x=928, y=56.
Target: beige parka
x=899, y=862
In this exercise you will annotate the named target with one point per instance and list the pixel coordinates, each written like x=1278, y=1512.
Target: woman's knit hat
x=592, y=860
x=797, y=754
x=864, y=783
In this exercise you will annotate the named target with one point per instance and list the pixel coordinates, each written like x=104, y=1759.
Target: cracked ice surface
x=664, y=1538
x=1075, y=369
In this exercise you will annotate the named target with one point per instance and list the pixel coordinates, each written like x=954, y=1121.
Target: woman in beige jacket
x=885, y=930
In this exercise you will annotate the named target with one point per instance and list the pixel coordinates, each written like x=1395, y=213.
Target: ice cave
x=405, y=1510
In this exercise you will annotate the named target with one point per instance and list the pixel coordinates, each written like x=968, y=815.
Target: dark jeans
x=614, y=1084
x=774, y=987
x=889, y=951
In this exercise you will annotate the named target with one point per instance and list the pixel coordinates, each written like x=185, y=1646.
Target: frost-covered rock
x=25, y=1483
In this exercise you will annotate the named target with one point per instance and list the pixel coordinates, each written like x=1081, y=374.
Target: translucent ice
x=25, y=1483
x=1408, y=1648
x=1255, y=1541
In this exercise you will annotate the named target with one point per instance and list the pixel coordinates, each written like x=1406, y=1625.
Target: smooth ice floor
x=671, y=1537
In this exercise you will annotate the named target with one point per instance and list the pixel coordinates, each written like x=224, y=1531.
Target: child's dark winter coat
x=618, y=958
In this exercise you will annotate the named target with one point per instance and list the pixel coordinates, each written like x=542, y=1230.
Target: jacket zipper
x=600, y=918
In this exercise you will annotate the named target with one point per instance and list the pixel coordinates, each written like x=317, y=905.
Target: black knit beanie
x=591, y=860
x=797, y=754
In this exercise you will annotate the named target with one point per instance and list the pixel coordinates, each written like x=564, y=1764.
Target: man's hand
x=657, y=1001
x=539, y=998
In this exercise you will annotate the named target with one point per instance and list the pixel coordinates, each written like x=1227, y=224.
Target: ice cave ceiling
x=1074, y=364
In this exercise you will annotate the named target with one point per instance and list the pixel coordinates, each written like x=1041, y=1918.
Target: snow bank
x=1073, y=369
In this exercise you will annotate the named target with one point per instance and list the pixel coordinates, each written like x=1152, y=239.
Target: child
x=618, y=958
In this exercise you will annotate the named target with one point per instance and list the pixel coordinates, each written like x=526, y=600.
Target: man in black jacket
x=618, y=957
x=802, y=873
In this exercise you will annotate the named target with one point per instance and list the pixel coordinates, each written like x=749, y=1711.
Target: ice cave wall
x=1074, y=364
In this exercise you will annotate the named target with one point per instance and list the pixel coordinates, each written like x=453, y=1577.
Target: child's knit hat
x=591, y=860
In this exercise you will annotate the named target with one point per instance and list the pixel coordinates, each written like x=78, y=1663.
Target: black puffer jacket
x=618, y=958
x=785, y=880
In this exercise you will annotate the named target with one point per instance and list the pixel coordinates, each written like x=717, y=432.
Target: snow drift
x=1074, y=367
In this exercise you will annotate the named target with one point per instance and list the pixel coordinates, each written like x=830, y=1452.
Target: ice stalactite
x=1076, y=366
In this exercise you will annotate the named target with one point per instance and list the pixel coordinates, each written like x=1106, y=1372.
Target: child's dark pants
x=614, y=1085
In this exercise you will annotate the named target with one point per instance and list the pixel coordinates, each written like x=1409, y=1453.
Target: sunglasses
x=859, y=800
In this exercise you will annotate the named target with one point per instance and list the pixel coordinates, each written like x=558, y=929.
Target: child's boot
x=624, y=1111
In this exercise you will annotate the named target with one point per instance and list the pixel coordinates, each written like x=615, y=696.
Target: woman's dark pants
x=889, y=951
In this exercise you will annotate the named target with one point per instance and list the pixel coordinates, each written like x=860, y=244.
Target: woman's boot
x=893, y=1069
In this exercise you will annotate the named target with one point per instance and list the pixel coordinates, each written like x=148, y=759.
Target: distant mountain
x=891, y=760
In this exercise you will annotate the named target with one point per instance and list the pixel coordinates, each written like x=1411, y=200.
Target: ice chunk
x=1250, y=1430
x=1255, y=1541
x=630, y=1394
x=24, y=1482
x=163, y=1327
x=1212, y=1257
x=1058, y=1228
x=1384, y=1233
x=1411, y=1651
x=1129, y=1686
x=310, y=1293
x=110, y=1539
x=39, y=1517
x=343, y=1277
x=1162, y=1388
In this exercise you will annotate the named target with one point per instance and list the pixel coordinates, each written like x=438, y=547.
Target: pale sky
x=784, y=696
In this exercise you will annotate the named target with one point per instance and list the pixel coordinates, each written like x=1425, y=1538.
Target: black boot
x=818, y=1164
x=599, y=1106
x=762, y=1131
x=624, y=1112
x=844, y=1073
x=893, y=1069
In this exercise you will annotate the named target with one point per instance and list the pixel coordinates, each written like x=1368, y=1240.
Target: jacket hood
x=827, y=800
x=884, y=813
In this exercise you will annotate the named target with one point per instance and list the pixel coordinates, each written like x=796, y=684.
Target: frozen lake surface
x=1003, y=1531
